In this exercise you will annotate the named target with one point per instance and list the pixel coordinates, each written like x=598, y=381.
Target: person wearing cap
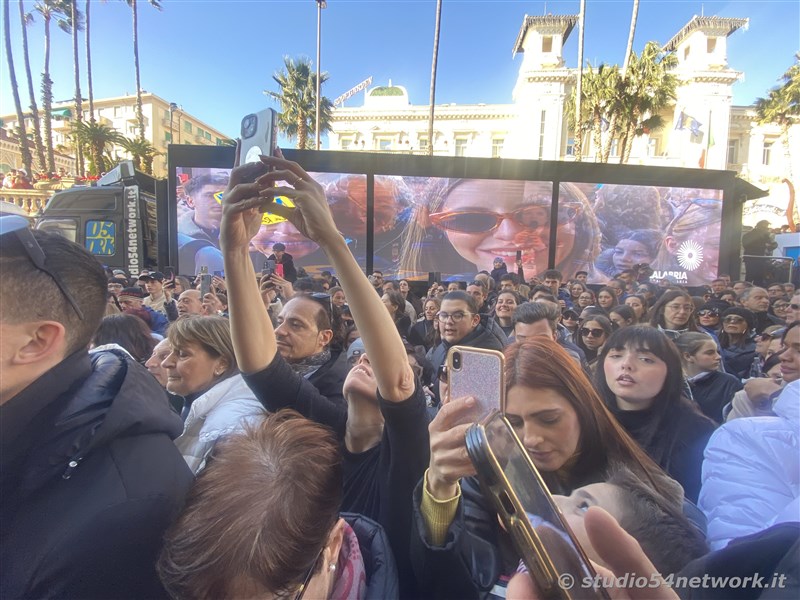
x=383, y=427
x=158, y=298
x=131, y=299
x=737, y=342
x=281, y=257
x=89, y=475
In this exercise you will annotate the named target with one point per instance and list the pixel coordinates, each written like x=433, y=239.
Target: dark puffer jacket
x=378, y=559
x=89, y=481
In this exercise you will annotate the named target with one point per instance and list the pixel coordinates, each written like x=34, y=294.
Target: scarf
x=351, y=575
x=307, y=366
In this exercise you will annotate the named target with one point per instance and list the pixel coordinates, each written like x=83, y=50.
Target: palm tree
x=782, y=107
x=139, y=113
x=599, y=87
x=297, y=97
x=89, y=63
x=648, y=88
x=97, y=139
x=25, y=20
x=77, y=25
x=434, y=63
x=578, y=130
x=629, y=49
x=23, y=137
x=142, y=152
x=60, y=11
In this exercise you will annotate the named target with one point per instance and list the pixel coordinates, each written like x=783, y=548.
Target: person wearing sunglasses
x=737, y=342
x=515, y=218
x=591, y=335
x=691, y=241
x=261, y=550
x=383, y=427
x=90, y=474
x=709, y=318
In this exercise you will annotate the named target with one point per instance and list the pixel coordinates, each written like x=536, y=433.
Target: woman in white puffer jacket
x=751, y=472
x=202, y=368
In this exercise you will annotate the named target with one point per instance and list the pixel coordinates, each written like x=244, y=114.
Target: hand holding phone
x=448, y=462
x=478, y=373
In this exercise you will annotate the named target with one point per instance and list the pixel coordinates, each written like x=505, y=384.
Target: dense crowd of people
x=278, y=435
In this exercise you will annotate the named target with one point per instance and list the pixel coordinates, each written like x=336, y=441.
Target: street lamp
x=320, y=5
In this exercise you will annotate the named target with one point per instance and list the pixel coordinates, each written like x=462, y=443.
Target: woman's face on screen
x=485, y=219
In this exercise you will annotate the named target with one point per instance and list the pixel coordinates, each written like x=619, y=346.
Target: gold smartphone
x=526, y=508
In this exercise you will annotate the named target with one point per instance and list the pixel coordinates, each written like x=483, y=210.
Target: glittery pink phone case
x=478, y=373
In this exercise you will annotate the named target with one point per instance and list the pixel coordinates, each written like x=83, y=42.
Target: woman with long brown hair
x=573, y=440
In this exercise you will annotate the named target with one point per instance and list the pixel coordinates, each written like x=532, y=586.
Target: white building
x=533, y=127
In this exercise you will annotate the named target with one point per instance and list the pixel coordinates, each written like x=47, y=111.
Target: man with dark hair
x=460, y=325
x=582, y=276
x=552, y=278
x=89, y=475
x=509, y=282
x=281, y=257
x=540, y=319
x=198, y=228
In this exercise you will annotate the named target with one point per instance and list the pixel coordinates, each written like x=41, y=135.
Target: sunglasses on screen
x=480, y=221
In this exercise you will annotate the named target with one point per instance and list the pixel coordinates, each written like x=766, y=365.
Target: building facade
x=165, y=123
x=702, y=129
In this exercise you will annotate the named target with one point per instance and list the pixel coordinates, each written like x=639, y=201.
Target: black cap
x=278, y=247
x=156, y=275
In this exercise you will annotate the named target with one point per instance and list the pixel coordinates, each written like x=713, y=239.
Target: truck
x=117, y=220
x=424, y=218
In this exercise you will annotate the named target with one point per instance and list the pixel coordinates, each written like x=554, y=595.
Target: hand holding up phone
x=449, y=461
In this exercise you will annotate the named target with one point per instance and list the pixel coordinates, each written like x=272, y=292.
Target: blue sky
x=215, y=57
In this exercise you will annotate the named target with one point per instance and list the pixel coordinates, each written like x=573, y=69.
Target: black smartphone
x=259, y=135
x=519, y=255
x=169, y=272
x=528, y=512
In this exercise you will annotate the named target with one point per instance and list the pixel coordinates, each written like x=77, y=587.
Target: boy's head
x=656, y=522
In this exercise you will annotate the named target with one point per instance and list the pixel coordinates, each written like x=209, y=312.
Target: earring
x=332, y=567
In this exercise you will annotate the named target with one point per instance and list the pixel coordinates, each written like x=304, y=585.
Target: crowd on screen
x=276, y=435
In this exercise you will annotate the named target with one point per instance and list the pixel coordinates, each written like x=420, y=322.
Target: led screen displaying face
x=199, y=212
x=460, y=226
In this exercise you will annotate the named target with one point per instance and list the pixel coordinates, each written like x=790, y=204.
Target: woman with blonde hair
x=202, y=368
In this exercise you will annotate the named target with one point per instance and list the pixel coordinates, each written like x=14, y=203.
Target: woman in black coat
x=711, y=388
x=737, y=343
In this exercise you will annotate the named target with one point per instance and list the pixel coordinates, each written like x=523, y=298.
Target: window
x=208, y=136
x=711, y=45
x=570, y=151
x=187, y=127
x=615, y=147
x=168, y=137
x=66, y=228
x=766, y=154
x=461, y=146
x=383, y=144
x=200, y=133
x=686, y=52
x=547, y=43
x=652, y=147
x=117, y=111
x=733, y=152
x=423, y=143
x=346, y=143
x=497, y=147
x=542, y=120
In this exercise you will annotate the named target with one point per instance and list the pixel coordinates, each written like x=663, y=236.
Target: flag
x=694, y=126
x=679, y=122
x=604, y=124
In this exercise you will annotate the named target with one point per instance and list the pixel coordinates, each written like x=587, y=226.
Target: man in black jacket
x=89, y=475
x=286, y=260
x=460, y=324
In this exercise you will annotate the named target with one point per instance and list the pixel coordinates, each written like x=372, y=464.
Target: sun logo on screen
x=690, y=255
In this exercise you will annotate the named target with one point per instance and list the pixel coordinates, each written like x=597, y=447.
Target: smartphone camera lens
x=456, y=360
x=249, y=126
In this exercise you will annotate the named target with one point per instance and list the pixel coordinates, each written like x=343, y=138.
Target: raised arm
x=313, y=218
x=251, y=328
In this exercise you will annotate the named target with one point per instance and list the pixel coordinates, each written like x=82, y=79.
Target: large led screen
x=198, y=194
x=675, y=230
x=457, y=227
